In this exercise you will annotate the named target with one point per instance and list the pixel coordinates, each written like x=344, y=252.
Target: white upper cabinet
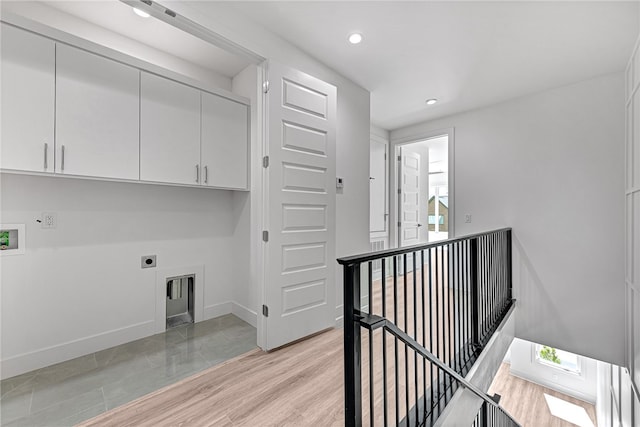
x=97, y=115
x=91, y=112
x=28, y=96
x=225, y=141
x=169, y=131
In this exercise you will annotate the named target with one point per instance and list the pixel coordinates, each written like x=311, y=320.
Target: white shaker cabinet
x=27, y=66
x=169, y=131
x=225, y=142
x=97, y=115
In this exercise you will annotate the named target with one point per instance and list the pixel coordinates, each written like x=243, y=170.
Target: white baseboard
x=27, y=362
x=37, y=359
x=217, y=310
x=231, y=307
x=553, y=386
x=339, y=316
x=249, y=316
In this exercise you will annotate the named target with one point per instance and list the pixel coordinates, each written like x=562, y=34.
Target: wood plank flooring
x=302, y=384
x=525, y=401
x=299, y=385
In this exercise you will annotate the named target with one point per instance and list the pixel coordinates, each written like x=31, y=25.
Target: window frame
x=579, y=372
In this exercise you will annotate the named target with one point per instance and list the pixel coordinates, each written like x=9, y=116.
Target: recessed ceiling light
x=355, y=38
x=431, y=101
x=141, y=13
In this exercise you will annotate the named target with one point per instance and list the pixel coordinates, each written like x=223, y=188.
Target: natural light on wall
x=568, y=411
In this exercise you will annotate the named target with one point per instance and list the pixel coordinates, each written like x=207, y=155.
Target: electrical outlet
x=467, y=218
x=148, y=261
x=49, y=220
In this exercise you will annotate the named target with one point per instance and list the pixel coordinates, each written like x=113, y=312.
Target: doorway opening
x=423, y=204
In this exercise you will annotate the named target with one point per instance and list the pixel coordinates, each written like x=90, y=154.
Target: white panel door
x=169, y=131
x=300, y=255
x=409, y=198
x=225, y=142
x=27, y=66
x=378, y=187
x=97, y=115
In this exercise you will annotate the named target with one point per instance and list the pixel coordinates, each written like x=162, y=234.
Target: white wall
x=246, y=209
x=73, y=25
x=117, y=223
x=79, y=287
x=524, y=365
x=352, y=135
x=379, y=132
x=604, y=409
x=550, y=166
x=630, y=408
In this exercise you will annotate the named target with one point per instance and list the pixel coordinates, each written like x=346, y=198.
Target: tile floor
x=76, y=390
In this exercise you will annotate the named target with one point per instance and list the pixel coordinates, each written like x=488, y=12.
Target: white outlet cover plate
x=54, y=220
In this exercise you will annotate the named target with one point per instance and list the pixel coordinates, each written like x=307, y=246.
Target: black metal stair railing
x=490, y=413
x=448, y=297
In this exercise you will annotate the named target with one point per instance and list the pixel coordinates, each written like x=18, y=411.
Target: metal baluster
x=431, y=329
x=384, y=342
x=437, y=316
x=395, y=344
x=406, y=347
x=352, y=346
x=424, y=338
x=415, y=332
x=371, y=391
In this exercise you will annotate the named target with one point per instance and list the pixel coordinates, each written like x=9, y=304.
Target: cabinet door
x=169, y=131
x=27, y=66
x=225, y=141
x=97, y=108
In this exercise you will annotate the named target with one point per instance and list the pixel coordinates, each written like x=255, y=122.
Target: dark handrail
x=469, y=290
x=374, y=322
x=371, y=256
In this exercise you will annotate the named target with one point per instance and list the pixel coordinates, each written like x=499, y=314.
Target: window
x=555, y=358
x=432, y=219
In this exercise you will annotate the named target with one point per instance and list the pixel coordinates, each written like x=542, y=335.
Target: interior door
x=409, y=198
x=300, y=206
x=378, y=187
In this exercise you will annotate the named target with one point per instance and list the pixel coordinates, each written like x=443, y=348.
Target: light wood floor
x=299, y=385
x=525, y=401
x=302, y=385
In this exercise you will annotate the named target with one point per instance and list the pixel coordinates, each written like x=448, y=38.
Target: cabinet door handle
x=206, y=175
x=46, y=149
x=197, y=173
x=62, y=160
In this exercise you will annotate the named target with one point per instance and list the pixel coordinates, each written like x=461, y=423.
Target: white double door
x=299, y=208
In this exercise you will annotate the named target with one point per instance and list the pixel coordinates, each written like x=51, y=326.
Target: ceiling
x=465, y=54
x=119, y=18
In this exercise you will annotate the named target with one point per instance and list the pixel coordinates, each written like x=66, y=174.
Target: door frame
x=384, y=234
x=394, y=183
